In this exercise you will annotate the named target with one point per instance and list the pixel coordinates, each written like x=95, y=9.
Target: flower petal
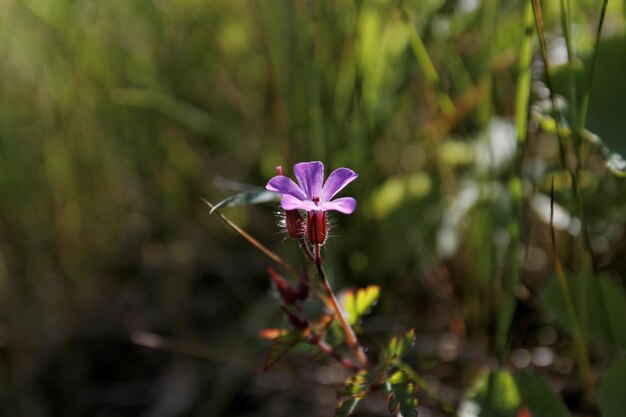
x=345, y=205
x=289, y=202
x=310, y=176
x=285, y=186
x=336, y=181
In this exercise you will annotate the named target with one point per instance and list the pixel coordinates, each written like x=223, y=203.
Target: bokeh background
x=118, y=116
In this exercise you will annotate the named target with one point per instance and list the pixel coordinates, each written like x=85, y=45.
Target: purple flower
x=311, y=193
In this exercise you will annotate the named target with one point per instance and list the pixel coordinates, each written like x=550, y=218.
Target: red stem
x=350, y=335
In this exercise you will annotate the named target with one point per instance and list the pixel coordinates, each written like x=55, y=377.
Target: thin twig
x=273, y=256
x=189, y=348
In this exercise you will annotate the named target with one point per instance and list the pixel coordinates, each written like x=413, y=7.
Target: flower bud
x=302, y=290
x=316, y=227
x=287, y=294
x=296, y=321
x=295, y=223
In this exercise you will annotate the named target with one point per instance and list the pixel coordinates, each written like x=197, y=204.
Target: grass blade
x=585, y=100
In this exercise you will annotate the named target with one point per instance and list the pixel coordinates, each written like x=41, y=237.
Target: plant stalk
x=350, y=335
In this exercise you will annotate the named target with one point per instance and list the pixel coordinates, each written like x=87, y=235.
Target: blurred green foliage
x=117, y=116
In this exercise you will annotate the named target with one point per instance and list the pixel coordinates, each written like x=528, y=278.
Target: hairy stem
x=350, y=335
x=328, y=349
x=305, y=248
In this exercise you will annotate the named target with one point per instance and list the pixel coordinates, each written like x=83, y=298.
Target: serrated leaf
x=256, y=196
x=401, y=394
x=399, y=346
x=612, y=401
x=355, y=389
x=539, y=396
x=282, y=343
x=357, y=304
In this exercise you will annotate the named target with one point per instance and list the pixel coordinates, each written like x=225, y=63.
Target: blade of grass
x=525, y=76
x=579, y=134
x=587, y=92
x=577, y=204
x=426, y=64
x=565, y=11
x=546, y=63
x=488, y=27
x=566, y=28
x=518, y=225
x=583, y=359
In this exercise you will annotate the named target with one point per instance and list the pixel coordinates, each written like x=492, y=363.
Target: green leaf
x=256, y=196
x=604, y=326
x=612, y=401
x=399, y=346
x=282, y=342
x=401, y=394
x=539, y=395
x=495, y=394
x=357, y=304
x=354, y=391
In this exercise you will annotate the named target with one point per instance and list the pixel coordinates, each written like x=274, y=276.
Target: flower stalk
x=350, y=335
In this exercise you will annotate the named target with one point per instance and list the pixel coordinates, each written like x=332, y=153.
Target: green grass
x=117, y=117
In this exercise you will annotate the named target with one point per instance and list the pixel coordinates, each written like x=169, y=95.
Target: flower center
x=316, y=200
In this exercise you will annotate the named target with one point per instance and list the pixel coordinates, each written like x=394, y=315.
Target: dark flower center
x=316, y=200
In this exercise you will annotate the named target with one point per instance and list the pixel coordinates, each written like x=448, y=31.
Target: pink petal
x=289, y=202
x=336, y=181
x=345, y=205
x=285, y=186
x=310, y=176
